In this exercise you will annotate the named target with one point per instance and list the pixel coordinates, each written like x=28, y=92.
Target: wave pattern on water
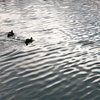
x=48, y=74
x=63, y=63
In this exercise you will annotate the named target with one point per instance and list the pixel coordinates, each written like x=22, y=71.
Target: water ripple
x=63, y=63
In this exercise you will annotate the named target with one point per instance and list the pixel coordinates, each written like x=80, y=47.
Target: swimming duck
x=10, y=34
x=27, y=41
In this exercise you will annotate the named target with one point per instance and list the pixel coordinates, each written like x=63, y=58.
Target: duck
x=27, y=41
x=10, y=34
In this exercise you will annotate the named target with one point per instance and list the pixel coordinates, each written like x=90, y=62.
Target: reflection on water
x=63, y=63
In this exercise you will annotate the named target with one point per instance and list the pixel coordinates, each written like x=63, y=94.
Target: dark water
x=63, y=63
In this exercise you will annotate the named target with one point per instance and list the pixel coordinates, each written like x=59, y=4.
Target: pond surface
x=63, y=63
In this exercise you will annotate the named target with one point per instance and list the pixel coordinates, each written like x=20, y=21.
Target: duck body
x=27, y=41
x=10, y=34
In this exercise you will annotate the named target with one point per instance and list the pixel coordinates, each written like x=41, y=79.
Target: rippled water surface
x=63, y=63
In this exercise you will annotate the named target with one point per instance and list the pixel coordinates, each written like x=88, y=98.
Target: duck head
x=31, y=39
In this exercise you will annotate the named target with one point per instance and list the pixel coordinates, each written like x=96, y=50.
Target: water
x=63, y=63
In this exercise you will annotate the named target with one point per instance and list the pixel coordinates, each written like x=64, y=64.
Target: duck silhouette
x=10, y=34
x=27, y=41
